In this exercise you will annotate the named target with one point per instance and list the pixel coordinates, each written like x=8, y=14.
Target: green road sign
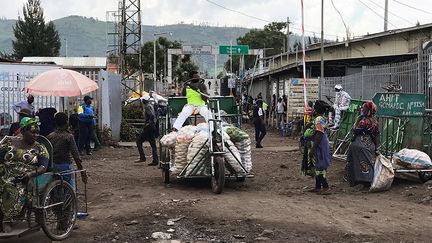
x=234, y=50
x=400, y=104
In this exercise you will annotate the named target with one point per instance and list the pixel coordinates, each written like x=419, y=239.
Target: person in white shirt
x=342, y=101
x=280, y=110
x=25, y=104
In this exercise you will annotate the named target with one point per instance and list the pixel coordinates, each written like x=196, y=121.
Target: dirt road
x=128, y=202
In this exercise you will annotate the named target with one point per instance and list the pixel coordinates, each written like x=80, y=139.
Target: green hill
x=87, y=36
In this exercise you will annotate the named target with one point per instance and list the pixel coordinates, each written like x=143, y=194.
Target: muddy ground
x=128, y=202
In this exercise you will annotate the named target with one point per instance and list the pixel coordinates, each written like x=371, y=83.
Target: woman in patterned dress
x=318, y=157
x=21, y=158
x=364, y=146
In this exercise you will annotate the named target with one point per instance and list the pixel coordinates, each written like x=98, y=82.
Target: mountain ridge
x=87, y=36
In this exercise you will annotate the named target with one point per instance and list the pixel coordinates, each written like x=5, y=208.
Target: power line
x=236, y=11
x=406, y=20
x=343, y=21
x=367, y=6
x=409, y=6
x=260, y=19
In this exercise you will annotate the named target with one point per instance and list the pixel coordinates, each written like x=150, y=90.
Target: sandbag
x=180, y=159
x=196, y=151
x=187, y=131
x=412, y=159
x=232, y=156
x=245, y=150
x=169, y=140
x=383, y=175
x=184, y=138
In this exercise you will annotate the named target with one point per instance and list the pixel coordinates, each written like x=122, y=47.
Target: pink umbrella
x=61, y=83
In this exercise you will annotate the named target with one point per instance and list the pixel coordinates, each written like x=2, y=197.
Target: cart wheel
x=60, y=210
x=218, y=179
x=424, y=176
x=166, y=175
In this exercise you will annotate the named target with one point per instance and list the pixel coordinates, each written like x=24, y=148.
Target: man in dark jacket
x=148, y=133
x=46, y=119
x=86, y=119
x=260, y=129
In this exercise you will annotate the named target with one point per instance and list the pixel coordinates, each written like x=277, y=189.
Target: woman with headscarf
x=21, y=158
x=363, y=148
x=319, y=158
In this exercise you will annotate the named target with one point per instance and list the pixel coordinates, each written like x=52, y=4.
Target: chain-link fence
x=414, y=76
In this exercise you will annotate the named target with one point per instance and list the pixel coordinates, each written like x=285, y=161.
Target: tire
x=424, y=176
x=58, y=221
x=218, y=179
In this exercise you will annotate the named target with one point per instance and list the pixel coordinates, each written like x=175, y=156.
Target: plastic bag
x=383, y=175
x=412, y=159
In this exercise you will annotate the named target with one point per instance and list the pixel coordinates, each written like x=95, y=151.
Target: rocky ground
x=129, y=203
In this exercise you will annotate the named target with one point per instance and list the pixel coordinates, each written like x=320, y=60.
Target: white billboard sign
x=197, y=50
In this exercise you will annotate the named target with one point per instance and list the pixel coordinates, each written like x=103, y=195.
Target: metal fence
x=13, y=91
x=12, y=87
x=414, y=76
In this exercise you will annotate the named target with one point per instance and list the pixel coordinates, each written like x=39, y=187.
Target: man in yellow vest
x=197, y=95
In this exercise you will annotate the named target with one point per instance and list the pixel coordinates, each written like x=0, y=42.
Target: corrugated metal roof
x=70, y=62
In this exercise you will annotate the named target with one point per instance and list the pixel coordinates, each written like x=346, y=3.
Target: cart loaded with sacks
x=217, y=149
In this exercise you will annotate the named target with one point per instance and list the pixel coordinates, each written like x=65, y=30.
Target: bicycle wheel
x=59, y=210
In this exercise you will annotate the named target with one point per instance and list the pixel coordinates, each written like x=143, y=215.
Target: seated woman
x=21, y=158
x=361, y=153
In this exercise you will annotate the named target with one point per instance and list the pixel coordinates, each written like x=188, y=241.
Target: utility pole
x=322, y=49
x=154, y=57
x=231, y=56
x=215, y=64
x=385, y=15
x=288, y=54
x=66, y=40
x=287, y=42
x=154, y=63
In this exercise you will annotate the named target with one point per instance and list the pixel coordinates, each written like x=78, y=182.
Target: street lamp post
x=66, y=49
x=154, y=57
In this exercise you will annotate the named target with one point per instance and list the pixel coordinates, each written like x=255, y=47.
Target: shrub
x=132, y=111
x=128, y=132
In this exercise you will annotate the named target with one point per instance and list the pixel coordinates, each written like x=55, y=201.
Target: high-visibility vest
x=194, y=97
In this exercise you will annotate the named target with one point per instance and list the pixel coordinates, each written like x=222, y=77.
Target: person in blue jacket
x=86, y=119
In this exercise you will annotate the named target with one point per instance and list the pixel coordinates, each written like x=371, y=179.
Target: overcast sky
x=358, y=17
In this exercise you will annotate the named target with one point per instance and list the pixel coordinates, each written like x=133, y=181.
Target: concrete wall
x=111, y=104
